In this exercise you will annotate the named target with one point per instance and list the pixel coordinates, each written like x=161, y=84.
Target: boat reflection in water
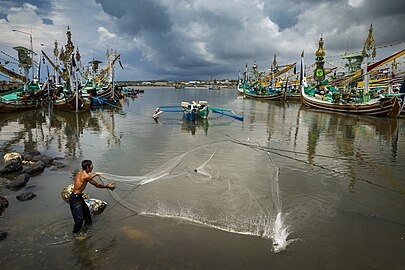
x=37, y=129
x=191, y=127
x=350, y=146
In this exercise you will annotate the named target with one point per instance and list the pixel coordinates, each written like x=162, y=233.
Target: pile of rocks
x=16, y=172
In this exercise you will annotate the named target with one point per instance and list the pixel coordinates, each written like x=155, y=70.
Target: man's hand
x=110, y=186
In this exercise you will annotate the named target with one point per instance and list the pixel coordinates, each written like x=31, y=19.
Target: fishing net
x=225, y=185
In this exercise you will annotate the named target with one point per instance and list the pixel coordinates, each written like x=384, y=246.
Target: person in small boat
x=78, y=207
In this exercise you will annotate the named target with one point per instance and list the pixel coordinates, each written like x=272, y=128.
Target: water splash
x=280, y=231
x=280, y=234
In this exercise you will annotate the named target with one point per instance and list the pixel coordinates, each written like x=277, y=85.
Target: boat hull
x=7, y=107
x=386, y=106
x=189, y=115
x=69, y=104
x=275, y=96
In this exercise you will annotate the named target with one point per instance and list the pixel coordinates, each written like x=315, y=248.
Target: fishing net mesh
x=225, y=185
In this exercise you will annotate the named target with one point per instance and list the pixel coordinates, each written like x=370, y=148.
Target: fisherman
x=80, y=210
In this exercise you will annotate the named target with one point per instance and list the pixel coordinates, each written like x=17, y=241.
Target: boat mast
x=368, y=50
x=319, y=74
x=25, y=60
x=274, y=70
x=112, y=76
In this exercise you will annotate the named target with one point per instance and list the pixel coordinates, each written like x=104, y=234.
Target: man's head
x=87, y=165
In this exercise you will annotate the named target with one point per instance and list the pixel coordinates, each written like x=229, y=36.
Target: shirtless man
x=78, y=207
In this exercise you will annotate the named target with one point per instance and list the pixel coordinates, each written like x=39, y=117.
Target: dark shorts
x=80, y=211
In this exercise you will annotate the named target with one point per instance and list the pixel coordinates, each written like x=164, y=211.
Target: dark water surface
x=338, y=181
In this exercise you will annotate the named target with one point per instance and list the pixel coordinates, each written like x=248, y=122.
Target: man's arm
x=99, y=185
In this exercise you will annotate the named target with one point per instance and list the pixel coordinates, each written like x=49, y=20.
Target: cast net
x=226, y=185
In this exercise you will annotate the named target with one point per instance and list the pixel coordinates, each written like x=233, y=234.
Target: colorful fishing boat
x=71, y=103
x=366, y=100
x=384, y=105
x=259, y=85
x=195, y=109
x=23, y=98
x=192, y=111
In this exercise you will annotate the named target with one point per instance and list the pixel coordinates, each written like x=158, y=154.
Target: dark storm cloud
x=176, y=50
x=204, y=38
x=135, y=17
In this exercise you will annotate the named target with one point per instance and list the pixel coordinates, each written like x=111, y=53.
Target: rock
x=12, y=165
x=11, y=156
x=36, y=167
x=3, y=235
x=26, y=196
x=38, y=158
x=18, y=183
x=96, y=206
x=58, y=165
x=46, y=160
x=3, y=204
x=28, y=156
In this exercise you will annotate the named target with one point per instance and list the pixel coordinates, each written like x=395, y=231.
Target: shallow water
x=288, y=187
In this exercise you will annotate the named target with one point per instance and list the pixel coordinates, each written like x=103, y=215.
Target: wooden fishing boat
x=18, y=105
x=69, y=103
x=362, y=102
x=261, y=86
x=264, y=93
x=23, y=98
x=387, y=105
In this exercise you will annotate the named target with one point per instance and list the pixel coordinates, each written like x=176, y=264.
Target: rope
x=358, y=52
x=120, y=108
x=271, y=150
x=1, y=51
x=8, y=61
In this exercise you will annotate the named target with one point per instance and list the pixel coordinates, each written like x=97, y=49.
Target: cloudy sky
x=200, y=39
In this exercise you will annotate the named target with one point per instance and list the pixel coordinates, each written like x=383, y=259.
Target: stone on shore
x=26, y=196
x=3, y=235
x=46, y=160
x=11, y=166
x=28, y=156
x=19, y=182
x=34, y=168
x=3, y=204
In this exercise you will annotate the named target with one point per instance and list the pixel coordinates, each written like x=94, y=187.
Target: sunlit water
x=221, y=194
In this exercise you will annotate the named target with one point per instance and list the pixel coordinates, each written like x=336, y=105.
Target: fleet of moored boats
x=369, y=88
x=64, y=89
x=365, y=90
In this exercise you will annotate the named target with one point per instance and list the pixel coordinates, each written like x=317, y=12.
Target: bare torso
x=80, y=182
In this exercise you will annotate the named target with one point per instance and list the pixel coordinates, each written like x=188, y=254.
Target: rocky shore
x=18, y=169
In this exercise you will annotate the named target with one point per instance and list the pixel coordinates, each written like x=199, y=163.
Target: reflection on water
x=350, y=144
x=193, y=126
x=47, y=129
